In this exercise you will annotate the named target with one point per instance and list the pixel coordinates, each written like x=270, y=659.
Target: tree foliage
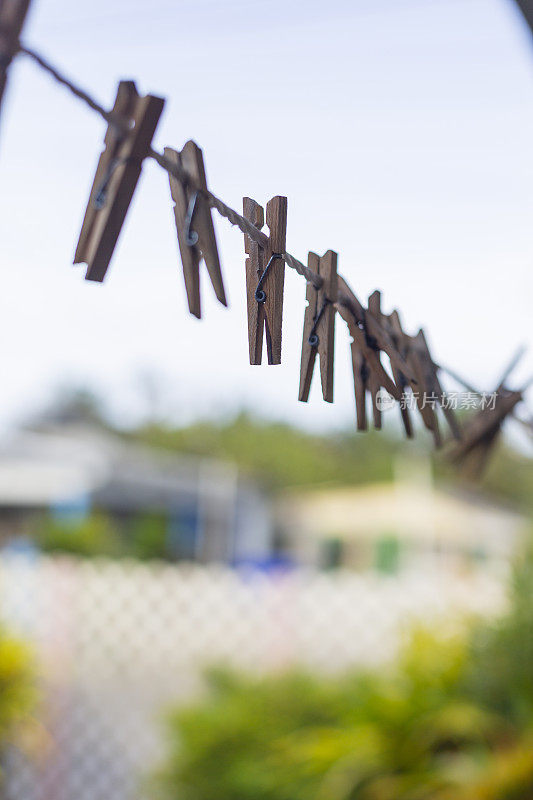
x=452, y=719
x=17, y=689
x=281, y=456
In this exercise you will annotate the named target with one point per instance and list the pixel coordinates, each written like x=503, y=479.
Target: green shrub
x=90, y=536
x=452, y=719
x=501, y=670
x=143, y=536
x=17, y=689
x=148, y=537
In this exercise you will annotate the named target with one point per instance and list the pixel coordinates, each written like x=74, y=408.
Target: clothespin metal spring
x=370, y=340
x=313, y=336
x=191, y=237
x=100, y=198
x=260, y=294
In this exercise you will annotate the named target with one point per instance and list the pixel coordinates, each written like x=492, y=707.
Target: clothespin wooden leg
x=12, y=17
x=194, y=226
x=253, y=212
x=365, y=359
x=273, y=284
x=476, y=460
x=319, y=326
x=266, y=291
x=482, y=431
x=374, y=306
x=427, y=412
x=399, y=378
x=325, y=328
x=309, y=349
x=432, y=380
x=354, y=315
x=404, y=411
x=418, y=384
x=360, y=382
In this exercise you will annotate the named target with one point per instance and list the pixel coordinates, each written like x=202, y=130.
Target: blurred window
x=387, y=554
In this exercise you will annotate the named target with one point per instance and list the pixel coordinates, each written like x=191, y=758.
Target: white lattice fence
x=118, y=641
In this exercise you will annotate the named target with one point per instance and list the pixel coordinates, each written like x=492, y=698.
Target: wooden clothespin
x=399, y=378
x=12, y=16
x=117, y=174
x=483, y=429
x=319, y=326
x=377, y=330
x=419, y=387
x=265, y=277
x=481, y=434
x=366, y=364
x=432, y=382
x=194, y=225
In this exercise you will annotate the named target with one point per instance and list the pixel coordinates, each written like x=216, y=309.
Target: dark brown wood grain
x=319, y=303
x=399, y=377
x=482, y=431
x=309, y=354
x=376, y=329
x=326, y=325
x=101, y=226
x=361, y=373
x=12, y=17
x=418, y=386
x=253, y=212
x=276, y=220
x=374, y=309
x=433, y=382
x=526, y=7
x=267, y=316
x=366, y=365
x=191, y=160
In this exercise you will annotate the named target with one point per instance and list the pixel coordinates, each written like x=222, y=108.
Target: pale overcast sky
x=399, y=130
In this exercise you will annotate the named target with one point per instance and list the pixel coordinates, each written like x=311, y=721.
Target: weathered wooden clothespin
x=432, y=382
x=376, y=329
x=12, y=16
x=366, y=364
x=482, y=430
x=373, y=320
x=265, y=277
x=419, y=387
x=481, y=433
x=400, y=379
x=127, y=143
x=319, y=326
x=194, y=225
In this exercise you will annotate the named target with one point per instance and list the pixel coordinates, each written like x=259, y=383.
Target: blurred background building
x=409, y=523
x=69, y=471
